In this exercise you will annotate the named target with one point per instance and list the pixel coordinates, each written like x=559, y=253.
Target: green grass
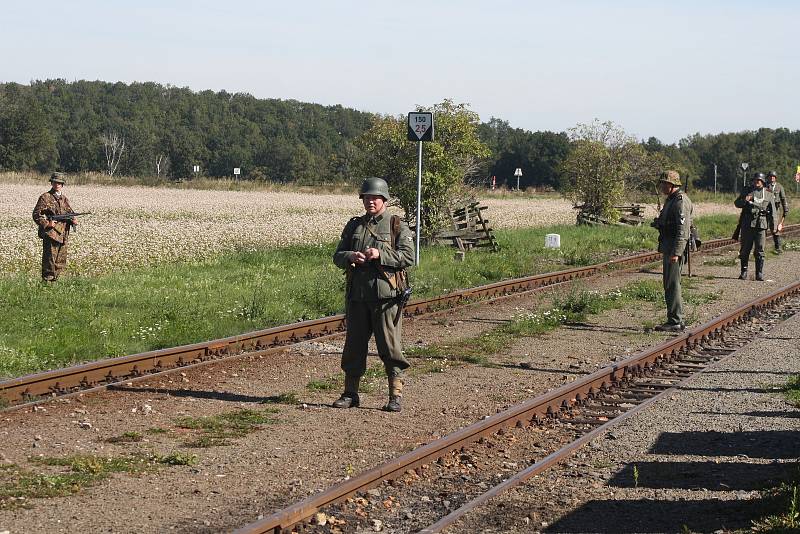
x=87, y=318
x=792, y=390
x=72, y=474
x=218, y=430
x=372, y=376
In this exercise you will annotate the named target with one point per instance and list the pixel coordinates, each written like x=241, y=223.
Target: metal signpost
x=196, y=170
x=518, y=173
x=420, y=128
x=744, y=175
x=236, y=172
x=715, y=180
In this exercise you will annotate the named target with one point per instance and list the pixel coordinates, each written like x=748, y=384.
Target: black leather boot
x=743, y=274
x=349, y=399
x=778, y=249
x=760, y=269
x=395, y=394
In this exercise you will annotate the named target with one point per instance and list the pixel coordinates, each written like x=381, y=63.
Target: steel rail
x=101, y=374
x=533, y=410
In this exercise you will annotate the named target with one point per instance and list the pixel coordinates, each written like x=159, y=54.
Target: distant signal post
x=420, y=128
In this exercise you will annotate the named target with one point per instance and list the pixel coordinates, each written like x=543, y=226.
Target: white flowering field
x=137, y=226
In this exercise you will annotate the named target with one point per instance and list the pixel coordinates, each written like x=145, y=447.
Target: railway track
x=101, y=374
x=466, y=469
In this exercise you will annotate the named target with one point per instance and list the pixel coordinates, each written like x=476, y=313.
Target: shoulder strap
x=395, y=225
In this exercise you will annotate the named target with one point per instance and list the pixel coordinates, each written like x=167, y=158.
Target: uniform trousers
x=54, y=259
x=365, y=318
x=752, y=239
x=671, y=277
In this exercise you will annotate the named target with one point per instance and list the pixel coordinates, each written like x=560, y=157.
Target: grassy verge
x=87, y=318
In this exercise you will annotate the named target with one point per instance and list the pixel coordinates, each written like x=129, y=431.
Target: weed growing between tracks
x=575, y=307
x=216, y=430
x=83, y=318
x=18, y=486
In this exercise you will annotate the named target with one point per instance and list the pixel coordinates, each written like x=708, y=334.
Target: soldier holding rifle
x=375, y=249
x=54, y=217
x=758, y=214
x=673, y=224
x=781, y=208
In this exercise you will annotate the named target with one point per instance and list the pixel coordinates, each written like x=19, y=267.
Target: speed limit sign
x=420, y=126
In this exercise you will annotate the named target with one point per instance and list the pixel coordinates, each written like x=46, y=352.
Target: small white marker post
x=518, y=173
x=420, y=128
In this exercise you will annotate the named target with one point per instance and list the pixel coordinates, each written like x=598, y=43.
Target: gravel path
x=310, y=446
x=701, y=456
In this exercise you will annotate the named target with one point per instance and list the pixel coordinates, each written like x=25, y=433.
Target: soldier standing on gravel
x=54, y=234
x=375, y=249
x=781, y=207
x=673, y=224
x=758, y=214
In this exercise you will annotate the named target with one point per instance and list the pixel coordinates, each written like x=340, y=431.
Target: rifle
x=402, y=300
x=738, y=228
x=67, y=218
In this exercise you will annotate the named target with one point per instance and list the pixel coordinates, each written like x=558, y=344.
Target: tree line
x=149, y=129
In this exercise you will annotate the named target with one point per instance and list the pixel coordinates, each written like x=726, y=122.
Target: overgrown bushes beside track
x=87, y=318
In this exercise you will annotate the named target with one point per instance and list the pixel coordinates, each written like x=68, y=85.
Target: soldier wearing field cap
x=54, y=234
x=673, y=224
x=758, y=214
x=374, y=250
x=781, y=208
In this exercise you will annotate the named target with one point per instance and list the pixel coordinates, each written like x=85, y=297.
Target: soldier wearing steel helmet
x=758, y=214
x=674, y=226
x=54, y=234
x=781, y=208
x=374, y=255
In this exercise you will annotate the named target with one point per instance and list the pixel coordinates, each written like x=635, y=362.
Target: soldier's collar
x=377, y=218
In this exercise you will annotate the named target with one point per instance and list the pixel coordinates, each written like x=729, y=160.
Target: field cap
x=58, y=177
x=671, y=177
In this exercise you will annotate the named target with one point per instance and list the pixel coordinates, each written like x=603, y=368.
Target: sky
x=667, y=69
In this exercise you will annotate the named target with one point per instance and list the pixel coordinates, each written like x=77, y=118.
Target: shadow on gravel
x=601, y=328
x=215, y=395
x=724, y=476
x=785, y=415
x=624, y=516
x=775, y=444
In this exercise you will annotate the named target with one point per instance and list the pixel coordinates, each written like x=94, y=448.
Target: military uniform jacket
x=758, y=213
x=781, y=207
x=50, y=204
x=674, y=223
x=370, y=281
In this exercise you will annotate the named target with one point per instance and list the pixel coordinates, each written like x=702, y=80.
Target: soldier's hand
x=748, y=198
x=357, y=257
x=780, y=226
x=73, y=221
x=674, y=259
x=372, y=254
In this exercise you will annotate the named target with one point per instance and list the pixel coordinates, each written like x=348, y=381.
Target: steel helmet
x=759, y=176
x=374, y=186
x=671, y=177
x=770, y=174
